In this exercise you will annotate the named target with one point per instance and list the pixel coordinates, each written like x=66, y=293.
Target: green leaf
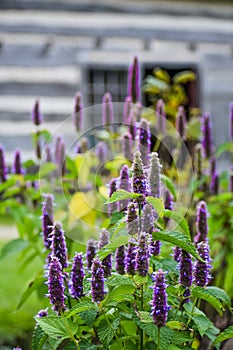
x=224, y=147
x=184, y=77
x=169, y=184
x=120, y=195
x=208, y=296
x=178, y=239
x=154, y=85
x=13, y=247
x=179, y=220
x=120, y=293
x=220, y=294
x=33, y=285
x=111, y=247
x=39, y=338
x=8, y=183
x=54, y=327
x=162, y=75
x=157, y=204
x=173, y=347
x=175, y=325
x=226, y=334
x=81, y=307
x=46, y=169
x=89, y=316
x=144, y=316
x=107, y=329
x=181, y=337
x=204, y=325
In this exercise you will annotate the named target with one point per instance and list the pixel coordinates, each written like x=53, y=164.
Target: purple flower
x=198, y=156
x=130, y=257
x=77, y=276
x=107, y=111
x=185, y=274
x=181, y=122
x=97, y=281
x=112, y=188
x=127, y=146
x=124, y=184
x=47, y=220
x=17, y=166
x=201, y=223
x=101, y=152
x=42, y=313
x=134, y=80
x=207, y=137
x=132, y=220
x=58, y=244
x=144, y=141
x=120, y=260
x=161, y=117
x=48, y=154
x=38, y=148
x=148, y=219
x=3, y=169
x=126, y=109
x=107, y=262
x=36, y=114
x=155, y=176
x=132, y=129
x=202, y=269
x=61, y=158
x=231, y=121
x=142, y=256
x=154, y=246
x=78, y=111
x=176, y=255
x=139, y=180
x=159, y=309
x=168, y=204
x=18, y=348
x=56, y=285
x=214, y=184
x=90, y=252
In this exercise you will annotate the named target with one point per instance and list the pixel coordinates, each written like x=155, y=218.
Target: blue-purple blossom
x=161, y=116
x=97, y=281
x=142, y=255
x=77, y=277
x=159, y=306
x=198, y=156
x=231, y=121
x=207, y=137
x=134, y=80
x=126, y=109
x=144, y=141
x=181, y=122
x=127, y=145
x=154, y=246
x=56, y=285
x=42, y=313
x=36, y=114
x=202, y=269
x=214, y=179
x=90, y=252
x=17, y=348
x=139, y=180
x=176, y=254
x=107, y=111
x=47, y=220
x=186, y=274
x=78, y=111
x=101, y=152
x=124, y=184
x=130, y=257
x=112, y=207
x=168, y=204
x=107, y=262
x=148, y=218
x=120, y=260
x=59, y=244
x=132, y=220
x=132, y=128
x=201, y=223
x=3, y=169
x=17, y=166
x=155, y=175
x=61, y=158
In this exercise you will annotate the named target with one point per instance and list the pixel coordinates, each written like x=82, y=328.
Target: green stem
x=69, y=331
x=191, y=314
x=141, y=331
x=158, y=343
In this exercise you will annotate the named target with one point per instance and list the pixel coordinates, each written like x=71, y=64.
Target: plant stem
x=158, y=343
x=191, y=314
x=69, y=331
x=141, y=331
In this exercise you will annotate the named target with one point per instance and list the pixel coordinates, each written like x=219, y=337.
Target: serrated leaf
x=178, y=239
x=54, y=327
x=39, y=337
x=179, y=337
x=157, y=204
x=175, y=325
x=208, y=296
x=89, y=316
x=13, y=247
x=203, y=324
x=184, y=77
x=120, y=195
x=107, y=329
x=220, y=294
x=111, y=247
x=120, y=293
x=33, y=285
x=179, y=220
x=117, y=280
x=169, y=184
x=144, y=316
x=226, y=334
x=173, y=347
x=140, y=280
x=81, y=307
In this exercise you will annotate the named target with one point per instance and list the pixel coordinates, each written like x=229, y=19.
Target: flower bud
x=161, y=116
x=36, y=114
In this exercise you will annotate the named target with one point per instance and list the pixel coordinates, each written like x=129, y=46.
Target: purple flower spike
x=161, y=117
x=48, y=154
x=97, y=281
x=56, y=285
x=58, y=244
x=198, y=156
x=90, y=252
x=112, y=188
x=181, y=122
x=176, y=255
x=120, y=260
x=61, y=158
x=77, y=276
x=130, y=258
x=186, y=273
x=214, y=185
x=101, y=152
x=47, y=220
x=154, y=246
x=207, y=138
x=107, y=262
x=78, y=111
x=127, y=146
x=168, y=204
x=36, y=114
x=127, y=109
x=17, y=167
x=139, y=180
x=142, y=256
x=134, y=80
x=107, y=111
x=144, y=141
x=231, y=121
x=201, y=223
x=202, y=269
x=148, y=219
x=155, y=175
x=132, y=220
x=124, y=184
x=3, y=169
x=159, y=303
x=132, y=125
x=18, y=348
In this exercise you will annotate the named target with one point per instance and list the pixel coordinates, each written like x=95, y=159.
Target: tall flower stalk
x=77, y=277
x=59, y=244
x=134, y=80
x=124, y=183
x=155, y=176
x=56, y=287
x=3, y=169
x=186, y=273
x=144, y=141
x=97, y=281
x=78, y=111
x=107, y=262
x=47, y=220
